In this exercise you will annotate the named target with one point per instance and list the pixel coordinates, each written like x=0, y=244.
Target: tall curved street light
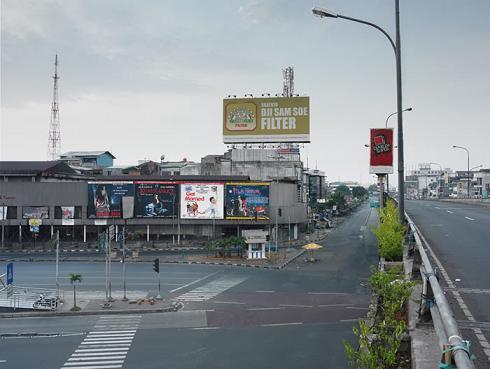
x=323, y=13
x=468, y=153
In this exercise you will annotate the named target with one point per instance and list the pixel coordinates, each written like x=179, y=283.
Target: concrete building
x=315, y=185
x=88, y=159
x=46, y=191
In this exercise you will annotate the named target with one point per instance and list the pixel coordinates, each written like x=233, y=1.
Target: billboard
x=35, y=212
x=247, y=200
x=104, y=198
x=155, y=200
x=270, y=119
x=68, y=215
x=381, y=151
x=201, y=201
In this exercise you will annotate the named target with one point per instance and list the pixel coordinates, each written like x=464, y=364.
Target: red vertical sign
x=381, y=148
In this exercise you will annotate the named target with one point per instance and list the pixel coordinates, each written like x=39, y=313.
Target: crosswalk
x=107, y=345
x=210, y=290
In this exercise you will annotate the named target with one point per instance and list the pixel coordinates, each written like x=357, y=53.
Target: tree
x=74, y=277
x=343, y=189
x=372, y=188
x=339, y=200
x=359, y=192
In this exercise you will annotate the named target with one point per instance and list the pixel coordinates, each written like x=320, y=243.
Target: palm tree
x=74, y=277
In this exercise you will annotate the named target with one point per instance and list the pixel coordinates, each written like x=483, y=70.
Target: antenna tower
x=54, y=141
x=288, y=86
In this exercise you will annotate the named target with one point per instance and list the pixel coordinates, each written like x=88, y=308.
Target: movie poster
x=68, y=215
x=104, y=198
x=381, y=147
x=247, y=201
x=35, y=212
x=155, y=200
x=201, y=201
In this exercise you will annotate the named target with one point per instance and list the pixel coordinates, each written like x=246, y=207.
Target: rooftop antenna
x=54, y=140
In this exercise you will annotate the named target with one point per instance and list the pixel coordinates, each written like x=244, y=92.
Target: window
x=35, y=212
x=8, y=212
x=75, y=211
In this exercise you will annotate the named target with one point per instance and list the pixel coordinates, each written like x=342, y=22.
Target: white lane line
x=334, y=305
x=450, y=212
x=280, y=324
x=113, y=345
x=102, y=342
x=130, y=335
x=437, y=207
x=469, y=218
x=99, y=332
x=204, y=328
x=193, y=282
x=3, y=361
x=265, y=308
x=263, y=291
x=99, y=353
x=96, y=366
x=92, y=358
x=102, y=350
x=99, y=362
x=291, y=305
x=229, y=302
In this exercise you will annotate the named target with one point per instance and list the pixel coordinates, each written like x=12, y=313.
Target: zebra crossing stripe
x=106, y=346
x=210, y=289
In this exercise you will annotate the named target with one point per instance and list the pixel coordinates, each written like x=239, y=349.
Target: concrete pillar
x=52, y=231
x=84, y=233
x=20, y=233
x=295, y=232
x=147, y=233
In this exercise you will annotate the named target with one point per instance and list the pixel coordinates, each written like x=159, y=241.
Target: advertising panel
x=270, y=119
x=35, y=212
x=68, y=215
x=34, y=225
x=381, y=151
x=247, y=200
x=155, y=200
x=201, y=200
x=104, y=198
x=3, y=212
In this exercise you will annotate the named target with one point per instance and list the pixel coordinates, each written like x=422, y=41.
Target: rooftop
x=85, y=153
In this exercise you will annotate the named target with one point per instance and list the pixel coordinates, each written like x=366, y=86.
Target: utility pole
x=54, y=140
x=125, y=298
x=57, y=261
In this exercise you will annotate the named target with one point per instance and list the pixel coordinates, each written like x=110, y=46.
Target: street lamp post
x=397, y=49
x=468, y=153
x=386, y=126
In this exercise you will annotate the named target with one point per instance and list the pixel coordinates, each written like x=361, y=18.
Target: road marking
x=280, y=324
x=450, y=212
x=229, y=302
x=333, y=305
x=469, y=218
x=291, y=305
x=115, y=343
x=204, y=328
x=210, y=289
x=193, y=282
x=483, y=342
x=348, y=320
x=327, y=293
x=265, y=308
x=437, y=207
x=265, y=291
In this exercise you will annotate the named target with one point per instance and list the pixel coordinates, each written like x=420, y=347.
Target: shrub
x=389, y=233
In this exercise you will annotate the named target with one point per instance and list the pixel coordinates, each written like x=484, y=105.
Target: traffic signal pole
x=156, y=269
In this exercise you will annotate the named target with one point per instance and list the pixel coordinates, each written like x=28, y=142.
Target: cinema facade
x=160, y=209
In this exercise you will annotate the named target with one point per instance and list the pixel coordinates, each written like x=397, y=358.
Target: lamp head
x=324, y=13
x=408, y=109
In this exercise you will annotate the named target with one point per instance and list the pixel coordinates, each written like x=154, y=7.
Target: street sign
x=10, y=273
x=34, y=225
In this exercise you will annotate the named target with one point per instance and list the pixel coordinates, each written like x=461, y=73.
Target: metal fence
x=21, y=297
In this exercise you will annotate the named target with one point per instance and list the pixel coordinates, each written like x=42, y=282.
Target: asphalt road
x=459, y=235
x=232, y=317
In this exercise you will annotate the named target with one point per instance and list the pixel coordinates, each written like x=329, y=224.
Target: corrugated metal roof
x=34, y=167
x=85, y=153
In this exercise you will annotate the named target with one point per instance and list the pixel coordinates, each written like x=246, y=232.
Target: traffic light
x=279, y=212
x=156, y=265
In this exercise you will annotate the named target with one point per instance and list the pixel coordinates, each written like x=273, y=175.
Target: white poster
x=201, y=201
x=68, y=215
x=3, y=212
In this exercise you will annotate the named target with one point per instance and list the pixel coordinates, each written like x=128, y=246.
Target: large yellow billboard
x=270, y=119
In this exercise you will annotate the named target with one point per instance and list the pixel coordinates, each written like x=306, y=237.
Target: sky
x=145, y=78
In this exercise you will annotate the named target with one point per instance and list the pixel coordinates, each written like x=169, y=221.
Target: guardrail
x=434, y=301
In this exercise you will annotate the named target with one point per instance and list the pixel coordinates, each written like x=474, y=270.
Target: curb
x=168, y=309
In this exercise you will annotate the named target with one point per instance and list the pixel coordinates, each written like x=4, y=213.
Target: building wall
x=105, y=160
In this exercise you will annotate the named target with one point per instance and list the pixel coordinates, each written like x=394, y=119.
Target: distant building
x=38, y=171
x=316, y=186
x=351, y=184
x=92, y=161
x=174, y=168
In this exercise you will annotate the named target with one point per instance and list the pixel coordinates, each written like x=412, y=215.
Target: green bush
x=223, y=246
x=380, y=341
x=389, y=233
